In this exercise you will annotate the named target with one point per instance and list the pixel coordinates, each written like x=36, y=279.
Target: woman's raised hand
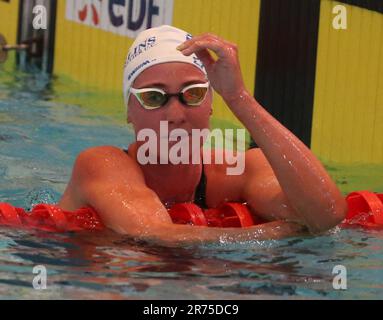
x=224, y=73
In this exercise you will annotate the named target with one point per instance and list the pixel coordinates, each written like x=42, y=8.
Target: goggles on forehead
x=154, y=98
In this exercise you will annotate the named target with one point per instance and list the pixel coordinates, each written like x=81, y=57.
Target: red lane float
x=187, y=213
x=229, y=214
x=365, y=209
x=49, y=217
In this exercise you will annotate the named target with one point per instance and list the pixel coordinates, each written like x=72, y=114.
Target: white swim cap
x=154, y=46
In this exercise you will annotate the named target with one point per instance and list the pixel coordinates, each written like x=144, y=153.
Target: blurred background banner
x=323, y=83
x=126, y=18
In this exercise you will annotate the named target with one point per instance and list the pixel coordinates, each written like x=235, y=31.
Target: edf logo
x=124, y=17
x=146, y=8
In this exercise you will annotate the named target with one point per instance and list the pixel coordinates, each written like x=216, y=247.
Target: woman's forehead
x=170, y=73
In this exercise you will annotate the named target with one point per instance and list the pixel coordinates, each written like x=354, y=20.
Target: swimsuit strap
x=200, y=193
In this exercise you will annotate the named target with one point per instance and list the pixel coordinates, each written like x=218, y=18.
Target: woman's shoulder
x=100, y=161
x=102, y=153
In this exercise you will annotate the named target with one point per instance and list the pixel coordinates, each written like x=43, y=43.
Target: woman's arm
x=176, y=234
x=304, y=181
x=137, y=212
x=108, y=181
x=310, y=191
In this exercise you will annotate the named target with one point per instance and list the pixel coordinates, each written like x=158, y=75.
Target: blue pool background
x=45, y=123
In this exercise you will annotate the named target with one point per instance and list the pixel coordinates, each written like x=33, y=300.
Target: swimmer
x=170, y=76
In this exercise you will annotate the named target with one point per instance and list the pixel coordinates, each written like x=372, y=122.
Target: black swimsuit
x=200, y=192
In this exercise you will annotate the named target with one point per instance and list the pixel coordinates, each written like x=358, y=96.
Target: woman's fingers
x=189, y=42
x=222, y=48
x=198, y=45
x=218, y=68
x=206, y=58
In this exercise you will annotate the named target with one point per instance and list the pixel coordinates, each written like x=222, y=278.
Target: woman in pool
x=283, y=182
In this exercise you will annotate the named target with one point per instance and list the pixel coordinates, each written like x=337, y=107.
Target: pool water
x=45, y=123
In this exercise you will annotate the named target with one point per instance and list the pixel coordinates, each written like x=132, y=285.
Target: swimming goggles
x=154, y=98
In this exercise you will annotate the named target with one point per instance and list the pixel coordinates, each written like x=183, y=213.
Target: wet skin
x=283, y=182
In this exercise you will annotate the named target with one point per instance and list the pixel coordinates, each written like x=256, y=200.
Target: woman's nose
x=175, y=111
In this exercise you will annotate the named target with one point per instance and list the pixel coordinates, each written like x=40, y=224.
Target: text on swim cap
x=140, y=48
x=137, y=68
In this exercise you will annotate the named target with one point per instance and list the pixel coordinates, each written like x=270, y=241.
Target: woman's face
x=171, y=77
